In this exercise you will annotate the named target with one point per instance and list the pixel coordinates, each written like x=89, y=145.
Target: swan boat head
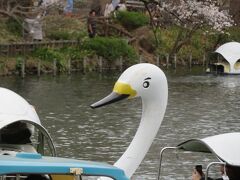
x=148, y=82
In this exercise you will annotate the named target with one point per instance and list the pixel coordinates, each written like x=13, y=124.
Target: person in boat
x=198, y=174
x=15, y=133
x=229, y=172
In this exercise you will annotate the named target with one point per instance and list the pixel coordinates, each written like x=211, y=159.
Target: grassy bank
x=90, y=54
x=111, y=49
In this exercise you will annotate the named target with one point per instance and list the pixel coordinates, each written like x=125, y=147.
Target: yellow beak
x=124, y=88
x=120, y=91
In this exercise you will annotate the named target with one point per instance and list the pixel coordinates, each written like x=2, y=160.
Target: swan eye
x=146, y=84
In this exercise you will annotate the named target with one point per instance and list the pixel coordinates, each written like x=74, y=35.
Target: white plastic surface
x=225, y=146
x=150, y=83
x=14, y=108
x=231, y=52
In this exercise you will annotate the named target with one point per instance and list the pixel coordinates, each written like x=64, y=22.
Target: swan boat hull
x=24, y=164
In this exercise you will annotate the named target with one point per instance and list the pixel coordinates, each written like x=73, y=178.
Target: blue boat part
x=31, y=163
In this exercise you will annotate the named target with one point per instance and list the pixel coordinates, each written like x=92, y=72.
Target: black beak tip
x=113, y=97
x=92, y=106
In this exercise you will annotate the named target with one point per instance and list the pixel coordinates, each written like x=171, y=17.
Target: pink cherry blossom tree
x=189, y=16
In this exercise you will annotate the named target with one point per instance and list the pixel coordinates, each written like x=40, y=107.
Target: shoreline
x=23, y=67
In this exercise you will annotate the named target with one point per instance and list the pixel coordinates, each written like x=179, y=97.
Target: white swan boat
x=19, y=122
x=229, y=64
x=225, y=147
x=146, y=81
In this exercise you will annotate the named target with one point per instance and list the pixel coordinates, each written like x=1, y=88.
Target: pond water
x=199, y=105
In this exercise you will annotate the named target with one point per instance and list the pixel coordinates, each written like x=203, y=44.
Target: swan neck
x=152, y=116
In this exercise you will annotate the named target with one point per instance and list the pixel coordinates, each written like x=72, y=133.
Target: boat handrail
x=211, y=164
x=174, y=148
x=160, y=159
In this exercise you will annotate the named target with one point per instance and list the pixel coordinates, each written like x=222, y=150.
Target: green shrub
x=110, y=48
x=19, y=61
x=61, y=55
x=233, y=34
x=66, y=35
x=75, y=53
x=132, y=20
x=45, y=54
x=200, y=43
x=167, y=37
x=49, y=54
x=14, y=27
x=59, y=35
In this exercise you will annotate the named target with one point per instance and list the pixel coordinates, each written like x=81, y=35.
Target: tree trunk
x=153, y=24
x=182, y=39
x=177, y=44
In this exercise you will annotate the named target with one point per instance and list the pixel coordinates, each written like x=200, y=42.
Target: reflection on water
x=199, y=106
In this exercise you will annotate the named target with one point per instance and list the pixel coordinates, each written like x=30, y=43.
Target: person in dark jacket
x=91, y=23
x=229, y=172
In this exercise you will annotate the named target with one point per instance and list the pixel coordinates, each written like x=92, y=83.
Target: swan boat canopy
x=141, y=80
x=225, y=147
x=230, y=65
x=19, y=122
